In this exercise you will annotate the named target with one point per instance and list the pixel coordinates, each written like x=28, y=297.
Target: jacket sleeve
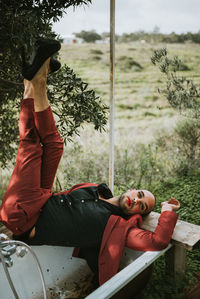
x=143, y=240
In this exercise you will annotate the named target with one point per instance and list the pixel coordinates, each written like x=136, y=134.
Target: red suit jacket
x=120, y=233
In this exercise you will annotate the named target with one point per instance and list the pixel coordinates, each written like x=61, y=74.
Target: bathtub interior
x=65, y=276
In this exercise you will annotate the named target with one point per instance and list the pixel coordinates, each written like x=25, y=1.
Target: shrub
x=78, y=166
x=96, y=57
x=88, y=36
x=188, y=131
x=22, y=23
x=137, y=166
x=183, y=67
x=96, y=51
x=182, y=93
x=181, y=149
x=128, y=63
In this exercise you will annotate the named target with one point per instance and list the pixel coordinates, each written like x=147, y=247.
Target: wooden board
x=186, y=233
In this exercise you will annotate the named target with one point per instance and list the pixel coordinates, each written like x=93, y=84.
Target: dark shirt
x=76, y=219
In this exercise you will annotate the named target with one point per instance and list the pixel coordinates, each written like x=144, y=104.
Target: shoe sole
x=46, y=49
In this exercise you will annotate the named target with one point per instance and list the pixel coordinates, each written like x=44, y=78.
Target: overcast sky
x=133, y=15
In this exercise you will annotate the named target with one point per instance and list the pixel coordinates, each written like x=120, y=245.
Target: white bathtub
x=68, y=277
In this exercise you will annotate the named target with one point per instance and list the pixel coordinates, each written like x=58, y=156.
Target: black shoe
x=54, y=65
x=45, y=48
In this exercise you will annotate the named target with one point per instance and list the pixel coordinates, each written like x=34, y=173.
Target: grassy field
x=140, y=111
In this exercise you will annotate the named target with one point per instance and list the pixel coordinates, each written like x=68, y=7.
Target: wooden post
x=175, y=259
x=112, y=93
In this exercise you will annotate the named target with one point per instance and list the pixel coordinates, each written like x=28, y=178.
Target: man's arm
x=142, y=240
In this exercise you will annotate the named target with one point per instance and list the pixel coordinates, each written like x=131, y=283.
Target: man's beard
x=123, y=207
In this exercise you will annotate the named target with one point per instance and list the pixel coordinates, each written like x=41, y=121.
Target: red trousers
x=40, y=150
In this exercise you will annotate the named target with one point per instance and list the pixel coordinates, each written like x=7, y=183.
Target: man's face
x=137, y=202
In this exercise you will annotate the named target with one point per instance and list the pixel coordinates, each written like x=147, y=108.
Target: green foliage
x=182, y=93
x=180, y=149
x=96, y=57
x=149, y=166
x=8, y=131
x=162, y=286
x=147, y=113
x=157, y=37
x=21, y=24
x=129, y=107
x=74, y=104
x=186, y=190
x=88, y=36
x=188, y=132
x=4, y=180
x=134, y=167
x=96, y=52
x=82, y=167
x=137, y=166
x=128, y=63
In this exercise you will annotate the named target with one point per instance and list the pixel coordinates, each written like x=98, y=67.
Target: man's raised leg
x=30, y=185
x=52, y=143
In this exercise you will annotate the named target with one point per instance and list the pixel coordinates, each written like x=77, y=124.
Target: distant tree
x=182, y=93
x=157, y=37
x=196, y=38
x=22, y=22
x=88, y=36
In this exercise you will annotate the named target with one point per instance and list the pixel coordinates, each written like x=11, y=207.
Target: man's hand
x=171, y=205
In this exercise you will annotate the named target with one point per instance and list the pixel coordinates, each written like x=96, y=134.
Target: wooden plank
x=186, y=233
x=180, y=256
x=175, y=259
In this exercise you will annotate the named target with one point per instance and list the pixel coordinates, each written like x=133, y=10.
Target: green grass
x=150, y=112
x=186, y=190
x=144, y=83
